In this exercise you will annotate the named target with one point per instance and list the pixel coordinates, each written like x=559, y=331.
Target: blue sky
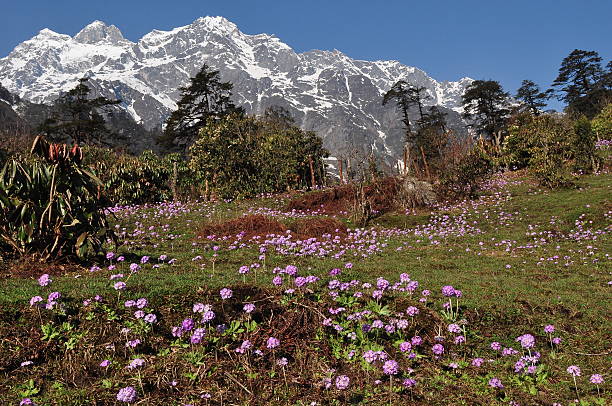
x=508, y=40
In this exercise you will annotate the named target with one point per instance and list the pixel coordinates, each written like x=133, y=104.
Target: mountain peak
x=45, y=32
x=98, y=31
x=216, y=23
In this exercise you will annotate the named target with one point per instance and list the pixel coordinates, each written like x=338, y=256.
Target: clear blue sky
x=508, y=40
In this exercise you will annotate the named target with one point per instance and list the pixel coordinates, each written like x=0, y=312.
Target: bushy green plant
x=602, y=123
x=544, y=144
x=141, y=179
x=240, y=156
x=50, y=204
x=463, y=178
x=128, y=179
x=583, y=146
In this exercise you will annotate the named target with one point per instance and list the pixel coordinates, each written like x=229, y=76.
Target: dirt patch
x=32, y=268
x=317, y=227
x=249, y=226
x=340, y=199
x=259, y=225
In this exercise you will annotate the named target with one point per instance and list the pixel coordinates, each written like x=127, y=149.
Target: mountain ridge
x=327, y=91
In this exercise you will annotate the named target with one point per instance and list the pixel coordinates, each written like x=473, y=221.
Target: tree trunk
x=312, y=174
x=425, y=164
x=174, y=181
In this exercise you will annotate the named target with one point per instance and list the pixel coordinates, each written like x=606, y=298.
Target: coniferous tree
x=418, y=96
x=400, y=93
x=533, y=99
x=486, y=103
x=583, y=83
x=433, y=132
x=206, y=97
x=76, y=118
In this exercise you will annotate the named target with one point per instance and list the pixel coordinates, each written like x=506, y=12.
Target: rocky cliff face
x=326, y=91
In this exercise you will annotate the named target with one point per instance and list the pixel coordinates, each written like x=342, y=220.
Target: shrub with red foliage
x=336, y=200
x=251, y=225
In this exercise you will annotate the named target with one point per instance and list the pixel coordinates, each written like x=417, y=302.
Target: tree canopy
x=76, y=118
x=583, y=83
x=400, y=93
x=532, y=98
x=486, y=103
x=206, y=97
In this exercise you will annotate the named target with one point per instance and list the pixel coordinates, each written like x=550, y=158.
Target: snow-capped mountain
x=337, y=97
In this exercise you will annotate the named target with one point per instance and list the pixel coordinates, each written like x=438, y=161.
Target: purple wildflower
x=526, y=340
x=208, y=316
x=574, y=370
x=495, y=383
x=35, y=300
x=135, y=363
x=197, y=335
x=448, y=291
x=187, y=324
x=225, y=293
x=412, y=311
x=272, y=342
x=150, y=318
x=438, y=349
x=342, y=382
x=391, y=367
x=477, y=362
x=44, y=280
x=127, y=394
x=405, y=346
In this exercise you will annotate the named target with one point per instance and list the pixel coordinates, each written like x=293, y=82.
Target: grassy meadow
x=519, y=258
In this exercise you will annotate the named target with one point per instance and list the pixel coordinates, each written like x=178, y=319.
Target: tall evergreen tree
x=533, y=99
x=418, y=96
x=400, y=93
x=433, y=132
x=486, y=103
x=583, y=83
x=206, y=97
x=76, y=118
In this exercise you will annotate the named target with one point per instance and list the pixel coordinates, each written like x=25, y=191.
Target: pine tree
x=206, y=97
x=533, y=99
x=418, y=96
x=433, y=132
x=76, y=118
x=400, y=92
x=583, y=84
x=486, y=103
